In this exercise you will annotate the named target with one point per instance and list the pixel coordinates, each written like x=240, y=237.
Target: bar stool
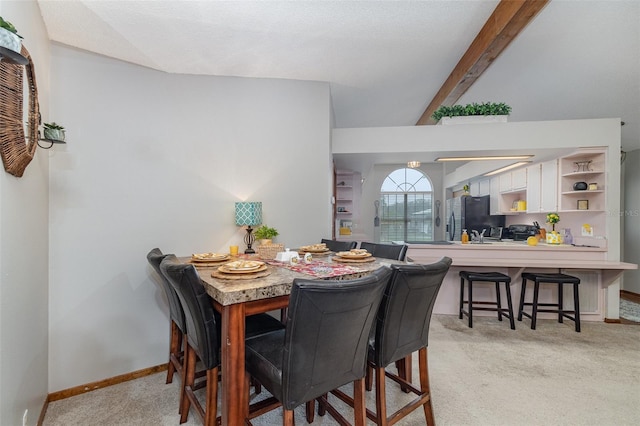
x=559, y=279
x=495, y=277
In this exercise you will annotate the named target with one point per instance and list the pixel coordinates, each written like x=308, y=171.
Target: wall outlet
x=25, y=417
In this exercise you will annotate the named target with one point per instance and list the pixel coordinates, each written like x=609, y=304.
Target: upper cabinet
x=582, y=181
x=542, y=187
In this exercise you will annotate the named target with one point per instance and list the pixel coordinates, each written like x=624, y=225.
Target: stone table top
x=277, y=283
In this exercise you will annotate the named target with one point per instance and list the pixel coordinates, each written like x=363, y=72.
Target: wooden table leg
x=235, y=395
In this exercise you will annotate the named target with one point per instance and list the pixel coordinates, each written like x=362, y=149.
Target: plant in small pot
x=265, y=234
x=53, y=131
x=497, y=111
x=9, y=37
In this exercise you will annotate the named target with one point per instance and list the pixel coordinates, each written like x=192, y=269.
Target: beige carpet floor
x=488, y=375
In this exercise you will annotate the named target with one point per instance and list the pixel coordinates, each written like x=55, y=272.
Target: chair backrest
x=386, y=251
x=155, y=257
x=327, y=334
x=202, y=329
x=402, y=325
x=337, y=246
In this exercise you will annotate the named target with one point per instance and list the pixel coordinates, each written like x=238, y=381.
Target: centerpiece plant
x=266, y=234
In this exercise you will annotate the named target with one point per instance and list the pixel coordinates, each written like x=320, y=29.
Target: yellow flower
x=553, y=218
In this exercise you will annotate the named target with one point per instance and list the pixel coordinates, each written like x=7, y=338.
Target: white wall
x=155, y=159
x=24, y=251
x=631, y=220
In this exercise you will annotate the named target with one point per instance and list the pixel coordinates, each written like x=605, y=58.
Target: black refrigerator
x=470, y=213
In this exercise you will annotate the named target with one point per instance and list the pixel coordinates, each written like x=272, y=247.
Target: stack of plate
x=314, y=248
x=242, y=267
x=354, y=256
x=207, y=258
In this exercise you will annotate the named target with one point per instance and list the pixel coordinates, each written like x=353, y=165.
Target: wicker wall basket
x=269, y=251
x=16, y=149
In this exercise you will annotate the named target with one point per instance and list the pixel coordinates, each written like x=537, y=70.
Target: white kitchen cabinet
x=494, y=196
x=542, y=187
x=534, y=189
x=484, y=187
x=513, y=181
x=549, y=186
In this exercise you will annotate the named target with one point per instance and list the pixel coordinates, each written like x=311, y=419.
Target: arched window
x=406, y=214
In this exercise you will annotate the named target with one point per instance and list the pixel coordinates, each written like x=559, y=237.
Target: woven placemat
x=345, y=260
x=223, y=276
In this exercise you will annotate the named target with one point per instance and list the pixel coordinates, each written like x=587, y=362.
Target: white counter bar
x=512, y=258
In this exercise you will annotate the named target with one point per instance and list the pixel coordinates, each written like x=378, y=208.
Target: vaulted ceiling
x=384, y=60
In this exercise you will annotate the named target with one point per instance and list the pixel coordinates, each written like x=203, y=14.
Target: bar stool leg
x=521, y=307
x=498, y=302
x=461, y=297
x=510, y=305
x=576, y=307
x=560, y=302
x=470, y=298
x=534, y=311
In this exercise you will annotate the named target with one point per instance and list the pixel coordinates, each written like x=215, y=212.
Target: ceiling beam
x=505, y=23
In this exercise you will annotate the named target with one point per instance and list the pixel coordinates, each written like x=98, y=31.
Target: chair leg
x=404, y=370
x=560, y=302
x=368, y=378
x=576, y=307
x=381, y=400
x=175, y=346
x=359, y=408
x=534, y=310
x=498, y=301
x=509, y=305
x=523, y=290
x=310, y=407
x=470, y=305
x=189, y=379
x=211, y=410
x=461, y=298
x=287, y=417
x=424, y=385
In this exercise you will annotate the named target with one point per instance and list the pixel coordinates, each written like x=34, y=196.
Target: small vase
x=568, y=238
x=554, y=237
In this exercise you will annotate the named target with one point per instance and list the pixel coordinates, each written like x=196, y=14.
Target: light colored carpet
x=488, y=375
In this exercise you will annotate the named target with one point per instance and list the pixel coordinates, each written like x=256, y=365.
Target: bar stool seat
x=495, y=277
x=560, y=280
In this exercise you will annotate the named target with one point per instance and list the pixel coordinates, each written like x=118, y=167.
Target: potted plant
x=498, y=111
x=9, y=37
x=266, y=234
x=53, y=131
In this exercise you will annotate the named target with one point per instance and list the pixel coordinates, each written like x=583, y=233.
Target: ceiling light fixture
x=413, y=164
x=488, y=157
x=505, y=168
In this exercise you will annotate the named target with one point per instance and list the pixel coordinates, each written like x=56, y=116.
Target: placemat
x=317, y=268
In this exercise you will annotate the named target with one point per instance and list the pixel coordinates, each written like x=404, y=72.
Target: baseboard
x=78, y=390
x=630, y=296
x=612, y=320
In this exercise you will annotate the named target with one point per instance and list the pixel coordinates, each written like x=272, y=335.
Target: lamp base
x=249, y=240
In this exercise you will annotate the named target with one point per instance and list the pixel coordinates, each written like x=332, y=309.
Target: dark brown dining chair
x=177, y=326
x=203, y=331
x=402, y=327
x=337, y=246
x=324, y=345
x=386, y=251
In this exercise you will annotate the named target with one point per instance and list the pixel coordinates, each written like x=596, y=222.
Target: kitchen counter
x=512, y=258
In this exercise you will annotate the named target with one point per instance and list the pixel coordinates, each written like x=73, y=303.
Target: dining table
x=237, y=296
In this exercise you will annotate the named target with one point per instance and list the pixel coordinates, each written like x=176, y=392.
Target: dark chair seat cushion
x=551, y=278
x=264, y=354
x=485, y=276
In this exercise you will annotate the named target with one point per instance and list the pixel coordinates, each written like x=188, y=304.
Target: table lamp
x=249, y=214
